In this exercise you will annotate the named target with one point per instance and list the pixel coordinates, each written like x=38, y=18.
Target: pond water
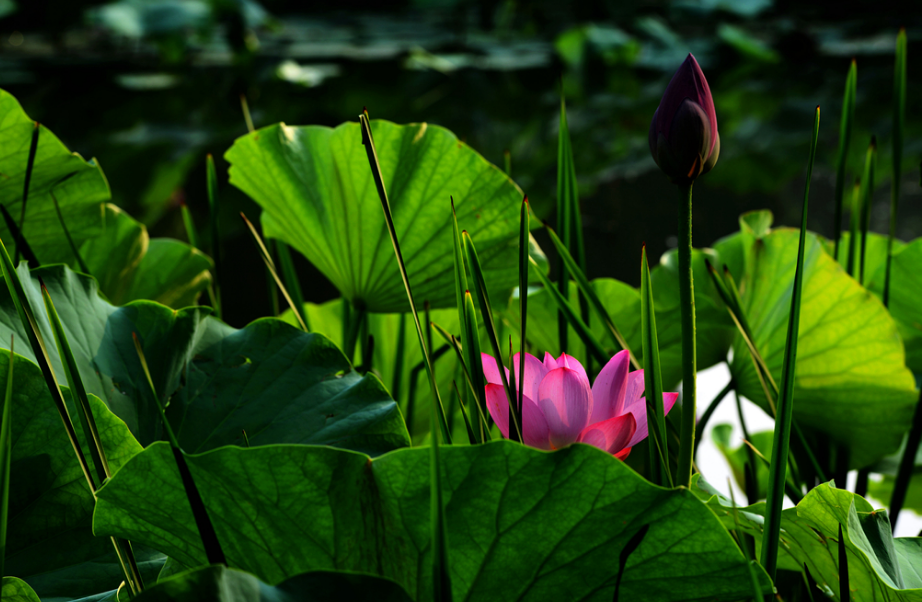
x=149, y=87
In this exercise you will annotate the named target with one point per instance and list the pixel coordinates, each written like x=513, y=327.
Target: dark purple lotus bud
x=683, y=135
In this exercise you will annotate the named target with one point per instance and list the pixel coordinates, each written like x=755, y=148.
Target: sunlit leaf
x=129, y=265
x=851, y=381
x=881, y=567
x=78, y=185
x=317, y=195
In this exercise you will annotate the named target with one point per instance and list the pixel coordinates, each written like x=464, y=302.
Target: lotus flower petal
x=609, y=388
x=536, y=433
x=535, y=371
x=610, y=435
x=535, y=426
x=566, y=401
x=568, y=361
x=498, y=406
x=639, y=410
x=490, y=372
x=549, y=362
x=634, y=390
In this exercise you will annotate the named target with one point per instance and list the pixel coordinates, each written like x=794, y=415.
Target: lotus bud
x=683, y=135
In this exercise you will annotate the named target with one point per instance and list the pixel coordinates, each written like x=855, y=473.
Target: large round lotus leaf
x=79, y=187
x=276, y=382
x=315, y=187
x=50, y=543
x=905, y=294
x=129, y=265
x=522, y=524
x=851, y=381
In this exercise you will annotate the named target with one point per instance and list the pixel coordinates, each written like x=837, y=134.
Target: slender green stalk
x=270, y=267
x=479, y=432
x=809, y=583
x=867, y=194
x=907, y=465
x=507, y=162
x=213, y=222
x=792, y=492
x=566, y=196
x=70, y=240
x=29, y=323
x=844, y=591
x=30, y=163
x=486, y=313
x=854, y=228
x=745, y=548
x=441, y=573
x=689, y=359
x=21, y=242
x=189, y=224
x=845, y=136
x=781, y=443
x=899, y=124
x=270, y=277
x=523, y=306
x=593, y=347
x=729, y=293
x=752, y=486
x=469, y=333
x=399, y=358
x=588, y=291
x=88, y=422
x=213, y=550
x=709, y=411
x=653, y=380
x=354, y=326
x=246, y=440
x=72, y=373
x=471, y=433
x=471, y=341
x=6, y=454
x=245, y=107
x=368, y=141
x=290, y=277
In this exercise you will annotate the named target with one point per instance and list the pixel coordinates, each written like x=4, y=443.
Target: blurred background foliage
x=149, y=87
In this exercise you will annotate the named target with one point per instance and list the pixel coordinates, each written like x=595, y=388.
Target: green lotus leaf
x=282, y=510
x=905, y=292
x=50, y=543
x=280, y=384
x=17, y=590
x=129, y=265
x=851, y=380
x=79, y=187
x=880, y=567
x=316, y=190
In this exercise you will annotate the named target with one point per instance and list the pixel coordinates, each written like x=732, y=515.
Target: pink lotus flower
x=560, y=408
